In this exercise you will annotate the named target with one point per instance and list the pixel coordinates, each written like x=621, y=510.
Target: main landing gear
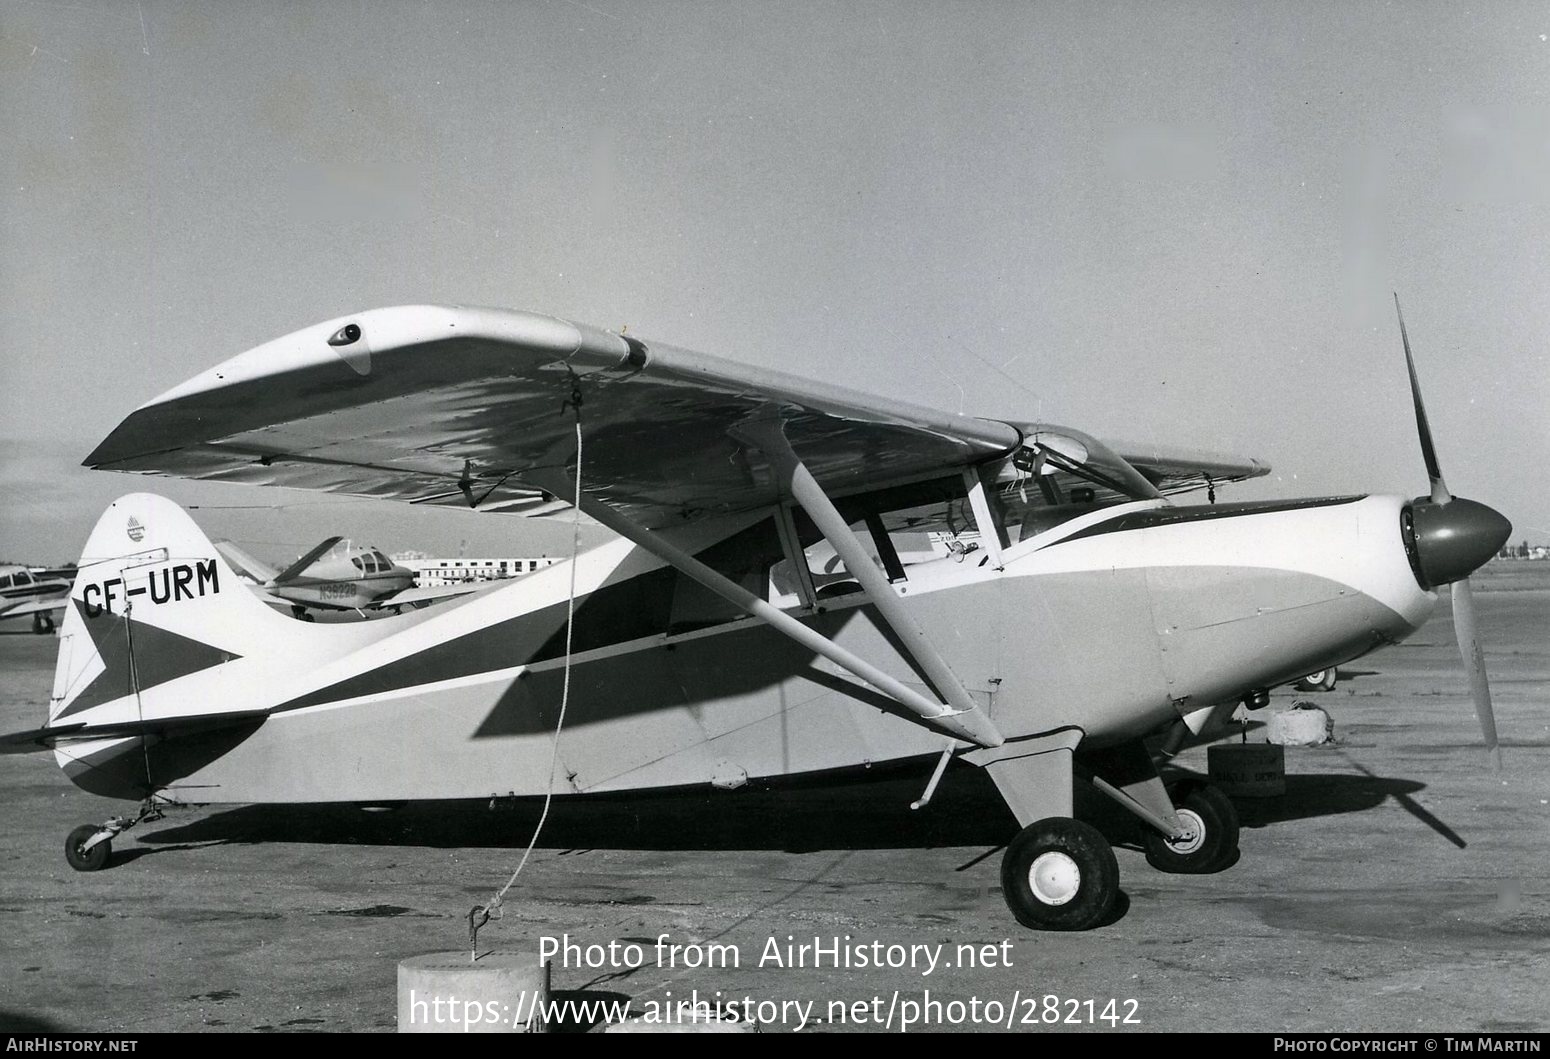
x=90, y=846
x=1060, y=873
x=42, y=624
x=1321, y=680
x=1210, y=839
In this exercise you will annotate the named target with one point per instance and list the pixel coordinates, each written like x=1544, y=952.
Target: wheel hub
x=1054, y=878
x=1194, y=833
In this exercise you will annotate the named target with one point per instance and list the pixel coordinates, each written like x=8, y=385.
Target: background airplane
x=336, y=575
x=36, y=592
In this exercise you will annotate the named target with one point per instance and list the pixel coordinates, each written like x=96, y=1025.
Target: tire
x=1060, y=874
x=1321, y=680
x=94, y=859
x=1215, y=843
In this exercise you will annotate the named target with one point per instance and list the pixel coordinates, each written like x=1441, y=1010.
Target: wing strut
x=974, y=727
x=807, y=492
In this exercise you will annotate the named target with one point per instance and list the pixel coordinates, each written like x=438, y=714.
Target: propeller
x=1449, y=538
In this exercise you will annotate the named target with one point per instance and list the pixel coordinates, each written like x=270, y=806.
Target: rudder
x=153, y=600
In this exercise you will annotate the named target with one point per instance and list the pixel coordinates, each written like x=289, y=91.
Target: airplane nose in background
x=1454, y=539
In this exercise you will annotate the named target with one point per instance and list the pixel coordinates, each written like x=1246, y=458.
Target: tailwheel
x=1060, y=874
x=82, y=858
x=1212, y=841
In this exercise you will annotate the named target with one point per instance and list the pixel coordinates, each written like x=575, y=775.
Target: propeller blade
x=1474, y=665
x=1440, y=494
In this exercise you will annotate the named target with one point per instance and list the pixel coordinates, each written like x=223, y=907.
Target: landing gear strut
x=1060, y=873
x=90, y=846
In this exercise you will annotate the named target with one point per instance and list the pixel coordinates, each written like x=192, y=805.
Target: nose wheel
x=1060, y=874
x=1211, y=839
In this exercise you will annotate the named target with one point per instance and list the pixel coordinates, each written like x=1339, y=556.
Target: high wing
x=474, y=407
x=1175, y=470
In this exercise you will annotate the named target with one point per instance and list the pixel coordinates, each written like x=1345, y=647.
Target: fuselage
x=1118, y=622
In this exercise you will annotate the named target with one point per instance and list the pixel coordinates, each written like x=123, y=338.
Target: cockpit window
x=898, y=527
x=927, y=521
x=1039, y=488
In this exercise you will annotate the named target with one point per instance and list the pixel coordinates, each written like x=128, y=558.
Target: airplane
x=698, y=651
x=36, y=592
x=337, y=575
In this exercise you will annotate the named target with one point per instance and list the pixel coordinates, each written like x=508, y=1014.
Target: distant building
x=1524, y=550
x=433, y=573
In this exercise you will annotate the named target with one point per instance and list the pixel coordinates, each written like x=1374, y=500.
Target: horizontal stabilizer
x=43, y=739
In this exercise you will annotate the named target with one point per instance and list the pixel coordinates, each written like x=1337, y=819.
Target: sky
x=1155, y=221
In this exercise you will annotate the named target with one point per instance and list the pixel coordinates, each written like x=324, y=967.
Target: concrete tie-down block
x=1302, y=725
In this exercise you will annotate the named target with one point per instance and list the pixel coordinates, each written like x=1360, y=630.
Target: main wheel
x=1060, y=874
x=81, y=859
x=42, y=624
x=1213, y=823
x=1322, y=680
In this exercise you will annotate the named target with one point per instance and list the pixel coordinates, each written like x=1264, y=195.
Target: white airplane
x=337, y=574
x=36, y=592
x=1094, y=611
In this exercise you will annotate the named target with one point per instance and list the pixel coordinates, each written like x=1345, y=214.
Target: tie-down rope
x=479, y=915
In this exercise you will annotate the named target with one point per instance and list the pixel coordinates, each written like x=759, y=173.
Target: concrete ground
x=1398, y=885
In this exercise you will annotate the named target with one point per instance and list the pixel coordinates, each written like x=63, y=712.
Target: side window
x=23, y=578
x=745, y=558
x=359, y=563
x=5, y=582
x=899, y=528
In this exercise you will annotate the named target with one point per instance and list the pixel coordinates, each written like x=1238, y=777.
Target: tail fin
x=299, y=567
x=154, y=601
x=255, y=570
